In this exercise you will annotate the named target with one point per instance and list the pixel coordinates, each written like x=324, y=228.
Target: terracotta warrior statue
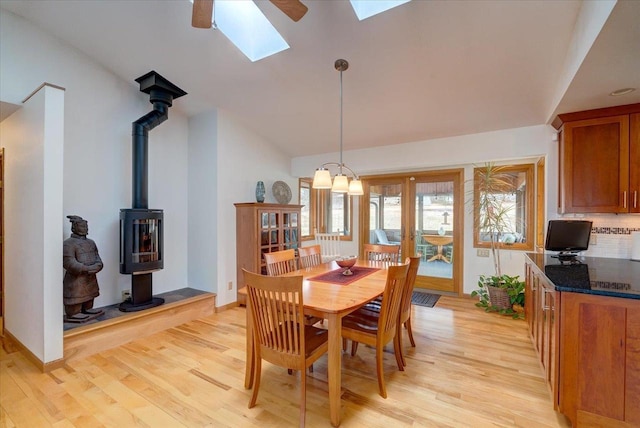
x=81, y=260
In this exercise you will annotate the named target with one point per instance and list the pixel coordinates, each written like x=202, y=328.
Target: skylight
x=367, y=8
x=244, y=24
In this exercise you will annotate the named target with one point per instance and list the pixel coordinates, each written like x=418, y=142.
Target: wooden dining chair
x=329, y=245
x=372, y=309
x=310, y=256
x=382, y=253
x=378, y=332
x=280, y=262
x=280, y=334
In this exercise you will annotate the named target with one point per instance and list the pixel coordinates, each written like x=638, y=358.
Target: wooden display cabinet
x=263, y=228
x=600, y=160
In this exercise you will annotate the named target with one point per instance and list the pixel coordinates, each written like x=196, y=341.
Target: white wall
x=243, y=159
x=468, y=151
x=203, y=213
x=33, y=142
x=99, y=110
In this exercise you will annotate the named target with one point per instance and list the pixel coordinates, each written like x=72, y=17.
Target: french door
x=422, y=212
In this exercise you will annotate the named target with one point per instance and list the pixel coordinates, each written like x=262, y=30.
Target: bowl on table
x=347, y=262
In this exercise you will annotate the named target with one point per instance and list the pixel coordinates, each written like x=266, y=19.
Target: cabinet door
x=634, y=164
x=594, y=165
x=632, y=382
x=550, y=349
x=540, y=316
x=270, y=235
x=593, y=355
x=290, y=230
x=529, y=290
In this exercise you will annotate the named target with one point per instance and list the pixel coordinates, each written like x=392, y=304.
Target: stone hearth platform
x=115, y=328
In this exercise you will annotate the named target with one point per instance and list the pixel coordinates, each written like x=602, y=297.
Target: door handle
x=624, y=199
x=635, y=199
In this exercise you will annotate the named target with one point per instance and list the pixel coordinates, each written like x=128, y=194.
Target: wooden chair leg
x=303, y=396
x=398, y=338
x=380, y=371
x=397, y=350
x=407, y=324
x=344, y=345
x=256, y=382
x=354, y=347
x=311, y=368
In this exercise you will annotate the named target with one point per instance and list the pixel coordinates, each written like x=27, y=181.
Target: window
x=506, y=193
x=324, y=211
x=307, y=213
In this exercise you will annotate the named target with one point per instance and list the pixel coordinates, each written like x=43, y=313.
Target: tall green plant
x=492, y=183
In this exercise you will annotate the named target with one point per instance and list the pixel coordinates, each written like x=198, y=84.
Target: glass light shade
x=322, y=179
x=355, y=188
x=340, y=184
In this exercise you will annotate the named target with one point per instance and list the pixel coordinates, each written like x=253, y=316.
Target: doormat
x=424, y=299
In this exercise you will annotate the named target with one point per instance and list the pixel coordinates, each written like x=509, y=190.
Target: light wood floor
x=469, y=369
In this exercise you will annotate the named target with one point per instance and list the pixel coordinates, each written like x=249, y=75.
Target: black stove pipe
x=140, y=132
x=162, y=93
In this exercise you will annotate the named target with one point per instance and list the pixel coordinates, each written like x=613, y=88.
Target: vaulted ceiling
x=424, y=70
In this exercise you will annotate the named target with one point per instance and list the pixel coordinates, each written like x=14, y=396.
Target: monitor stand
x=566, y=257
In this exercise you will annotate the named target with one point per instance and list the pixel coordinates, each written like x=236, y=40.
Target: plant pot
x=498, y=297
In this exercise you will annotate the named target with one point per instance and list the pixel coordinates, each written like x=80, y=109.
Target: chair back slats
x=412, y=273
x=278, y=319
x=310, y=256
x=391, y=299
x=382, y=253
x=280, y=262
x=329, y=245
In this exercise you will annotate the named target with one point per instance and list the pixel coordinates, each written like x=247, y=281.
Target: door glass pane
x=385, y=214
x=434, y=228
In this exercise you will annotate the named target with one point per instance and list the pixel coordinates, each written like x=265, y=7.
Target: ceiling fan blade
x=294, y=9
x=202, y=12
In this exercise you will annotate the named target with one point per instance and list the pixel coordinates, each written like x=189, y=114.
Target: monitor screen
x=569, y=236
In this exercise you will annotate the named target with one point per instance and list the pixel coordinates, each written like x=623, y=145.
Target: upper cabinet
x=600, y=160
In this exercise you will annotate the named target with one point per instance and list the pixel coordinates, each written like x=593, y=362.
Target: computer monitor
x=568, y=237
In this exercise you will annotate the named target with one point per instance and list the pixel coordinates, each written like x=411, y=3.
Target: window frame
x=320, y=208
x=529, y=210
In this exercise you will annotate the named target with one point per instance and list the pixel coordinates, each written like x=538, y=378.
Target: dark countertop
x=591, y=275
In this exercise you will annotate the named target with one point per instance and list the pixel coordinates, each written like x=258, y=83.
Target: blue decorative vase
x=260, y=191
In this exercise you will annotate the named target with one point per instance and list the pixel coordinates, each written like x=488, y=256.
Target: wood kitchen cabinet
x=541, y=308
x=600, y=360
x=600, y=160
x=263, y=228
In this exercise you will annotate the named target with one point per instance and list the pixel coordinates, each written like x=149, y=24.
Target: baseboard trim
x=42, y=366
x=227, y=306
x=87, y=340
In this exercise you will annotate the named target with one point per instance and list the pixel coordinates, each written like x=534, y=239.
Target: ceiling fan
x=203, y=11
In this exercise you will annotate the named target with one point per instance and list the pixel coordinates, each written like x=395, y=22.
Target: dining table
x=440, y=241
x=329, y=295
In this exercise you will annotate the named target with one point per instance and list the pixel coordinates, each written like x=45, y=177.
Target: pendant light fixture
x=341, y=183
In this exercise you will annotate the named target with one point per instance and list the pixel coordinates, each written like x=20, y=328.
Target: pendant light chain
x=341, y=163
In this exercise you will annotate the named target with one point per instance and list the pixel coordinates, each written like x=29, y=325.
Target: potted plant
x=498, y=292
